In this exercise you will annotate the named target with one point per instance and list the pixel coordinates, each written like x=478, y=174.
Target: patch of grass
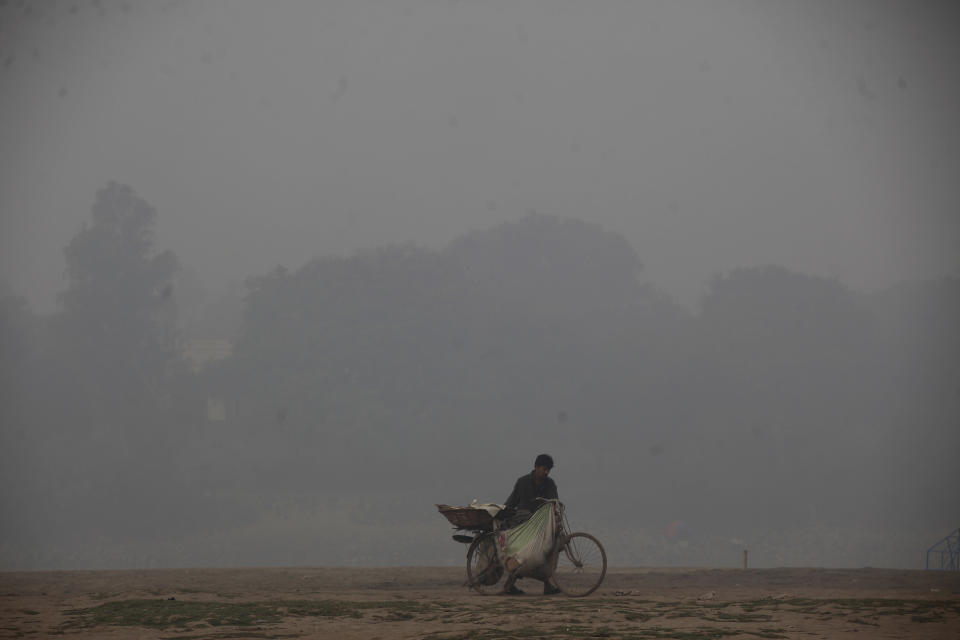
x=805, y=605
x=232, y=634
x=720, y=616
x=703, y=633
x=164, y=614
x=634, y=616
x=397, y=616
x=503, y=634
x=889, y=606
x=320, y=608
x=409, y=606
x=918, y=610
x=683, y=613
x=933, y=618
x=527, y=632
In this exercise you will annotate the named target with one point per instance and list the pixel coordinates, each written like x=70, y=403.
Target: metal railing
x=945, y=554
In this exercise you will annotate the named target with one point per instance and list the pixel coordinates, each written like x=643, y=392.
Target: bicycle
x=575, y=564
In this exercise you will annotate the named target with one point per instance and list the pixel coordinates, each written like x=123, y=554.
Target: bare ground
x=430, y=602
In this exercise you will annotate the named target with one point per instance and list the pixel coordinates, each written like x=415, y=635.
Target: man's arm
x=552, y=491
x=514, y=498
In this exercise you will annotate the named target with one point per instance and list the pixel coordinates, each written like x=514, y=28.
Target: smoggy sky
x=822, y=136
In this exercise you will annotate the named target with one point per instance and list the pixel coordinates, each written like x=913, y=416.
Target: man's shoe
x=549, y=589
x=512, y=590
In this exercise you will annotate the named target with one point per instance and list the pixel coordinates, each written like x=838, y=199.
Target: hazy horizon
x=774, y=167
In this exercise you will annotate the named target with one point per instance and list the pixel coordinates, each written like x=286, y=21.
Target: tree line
x=783, y=398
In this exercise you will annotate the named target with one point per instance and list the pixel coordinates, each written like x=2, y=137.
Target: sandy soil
x=430, y=602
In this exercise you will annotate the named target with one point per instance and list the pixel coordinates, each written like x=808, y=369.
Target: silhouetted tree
x=119, y=316
x=396, y=351
x=782, y=396
x=914, y=404
x=18, y=328
x=18, y=355
x=112, y=351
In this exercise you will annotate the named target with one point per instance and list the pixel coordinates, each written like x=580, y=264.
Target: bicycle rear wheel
x=581, y=565
x=483, y=565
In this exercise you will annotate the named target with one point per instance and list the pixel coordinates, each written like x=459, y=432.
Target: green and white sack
x=526, y=548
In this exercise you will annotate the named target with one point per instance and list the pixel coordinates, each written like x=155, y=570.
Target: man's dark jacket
x=526, y=491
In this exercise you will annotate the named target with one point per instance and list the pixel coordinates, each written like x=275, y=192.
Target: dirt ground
x=430, y=602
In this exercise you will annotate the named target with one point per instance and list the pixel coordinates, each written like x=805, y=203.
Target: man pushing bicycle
x=529, y=492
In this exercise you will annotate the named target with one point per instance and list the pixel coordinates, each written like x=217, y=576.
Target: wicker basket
x=467, y=517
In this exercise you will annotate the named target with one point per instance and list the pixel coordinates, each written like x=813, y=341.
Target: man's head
x=542, y=466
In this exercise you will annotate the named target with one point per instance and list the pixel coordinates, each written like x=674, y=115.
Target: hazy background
x=705, y=253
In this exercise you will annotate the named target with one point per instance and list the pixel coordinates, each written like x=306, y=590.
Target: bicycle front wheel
x=581, y=565
x=483, y=564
